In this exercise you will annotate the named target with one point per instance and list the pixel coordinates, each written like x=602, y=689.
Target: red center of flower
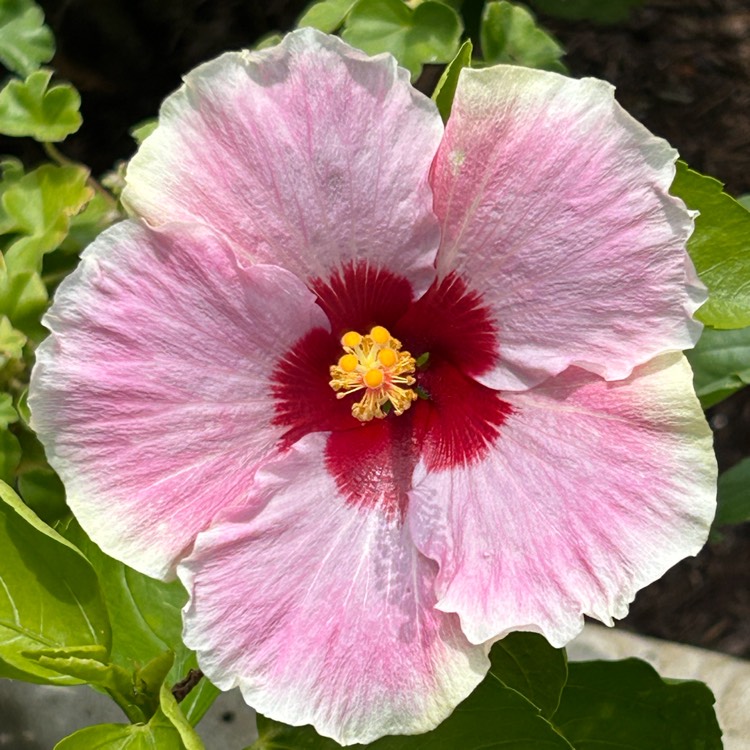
x=453, y=422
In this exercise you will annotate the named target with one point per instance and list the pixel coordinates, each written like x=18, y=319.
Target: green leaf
x=8, y=415
x=173, y=711
x=25, y=42
x=446, y=86
x=38, y=209
x=33, y=108
x=146, y=620
x=493, y=716
x=744, y=201
x=143, y=129
x=509, y=34
x=626, y=705
x=100, y=212
x=158, y=734
x=721, y=364
x=429, y=33
x=269, y=40
x=327, y=15
x=11, y=341
x=734, y=496
x=10, y=458
x=526, y=663
x=720, y=248
x=49, y=594
x=42, y=490
x=601, y=11
x=23, y=299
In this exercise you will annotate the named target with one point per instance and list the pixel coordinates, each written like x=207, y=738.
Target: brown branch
x=183, y=687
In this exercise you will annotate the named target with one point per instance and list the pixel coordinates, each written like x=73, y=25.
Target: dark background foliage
x=681, y=66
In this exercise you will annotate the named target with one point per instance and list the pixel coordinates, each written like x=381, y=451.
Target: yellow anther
x=374, y=366
x=387, y=357
x=349, y=362
x=351, y=339
x=380, y=335
x=373, y=378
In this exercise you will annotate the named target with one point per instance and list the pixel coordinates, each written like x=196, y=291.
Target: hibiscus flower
x=381, y=392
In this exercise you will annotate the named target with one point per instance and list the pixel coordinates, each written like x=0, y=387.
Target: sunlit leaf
x=34, y=108
x=721, y=364
x=49, y=594
x=37, y=210
x=143, y=129
x=429, y=33
x=446, y=86
x=720, y=248
x=146, y=620
x=25, y=42
x=11, y=341
x=509, y=34
x=625, y=705
x=327, y=15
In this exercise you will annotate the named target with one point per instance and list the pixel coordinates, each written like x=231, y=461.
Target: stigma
x=374, y=365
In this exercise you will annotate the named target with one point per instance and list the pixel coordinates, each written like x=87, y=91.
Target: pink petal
x=592, y=490
x=152, y=395
x=322, y=613
x=553, y=203
x=305, y=155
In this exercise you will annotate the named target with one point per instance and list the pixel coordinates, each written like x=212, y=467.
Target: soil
x=680, y=66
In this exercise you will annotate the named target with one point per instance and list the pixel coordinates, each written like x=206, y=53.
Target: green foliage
x=143, y=129
x=327, y=15
x=429, y=33
x=146, y=619
x=33, y=108
x=600, y=11
x=509, y=34
x=526, y=663
x=11, y=342
x=720, y=248
x=721, y=364
x=734, y=497
x=25, y=42
x=625, y=705
x=49, y=598
x=446, y=86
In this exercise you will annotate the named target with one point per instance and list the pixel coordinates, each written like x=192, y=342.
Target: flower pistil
x=375, y=364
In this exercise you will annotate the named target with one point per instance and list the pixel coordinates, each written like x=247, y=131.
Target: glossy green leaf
x=719, y=247
x=25, y=42
x=429, y=33
x=37, y=209
x=721, y=364
x=446, y=86
x=733, y=497
x=528, y=664
x=11, y=341
x=327, y=15
x=493, y=716
x=174, y=712
x=49, y=594
x=34, y=108
x=146, y=620
x=626, y=705
x=601, y=11
x=509, y=34
x=158, y=734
